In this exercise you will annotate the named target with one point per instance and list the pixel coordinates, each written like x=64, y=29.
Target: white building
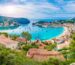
x=7, y=42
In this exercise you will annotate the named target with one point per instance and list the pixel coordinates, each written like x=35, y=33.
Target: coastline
x=56, y=37
x=60, y=35
x=63, y=33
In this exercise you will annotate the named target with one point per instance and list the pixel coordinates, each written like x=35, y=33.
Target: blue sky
x=38, y=8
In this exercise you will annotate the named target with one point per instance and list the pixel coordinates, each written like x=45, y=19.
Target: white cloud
x=70, y=7
x=25, y=1
x=39, y=9
x=30, y=10
x=59, y=1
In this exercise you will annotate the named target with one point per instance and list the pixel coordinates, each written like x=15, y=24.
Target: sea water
x=38, y=33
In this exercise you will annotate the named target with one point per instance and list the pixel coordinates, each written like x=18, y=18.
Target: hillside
x=11, y=19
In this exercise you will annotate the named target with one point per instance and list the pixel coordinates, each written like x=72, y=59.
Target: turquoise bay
x=37, y=32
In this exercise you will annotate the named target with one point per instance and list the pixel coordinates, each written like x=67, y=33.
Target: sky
x=38, y=9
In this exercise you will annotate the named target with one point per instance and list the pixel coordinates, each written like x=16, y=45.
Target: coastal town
x=6, y=24
x=38, y=49
x=37, y=32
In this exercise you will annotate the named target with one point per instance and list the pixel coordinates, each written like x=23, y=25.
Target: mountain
x=12, y=19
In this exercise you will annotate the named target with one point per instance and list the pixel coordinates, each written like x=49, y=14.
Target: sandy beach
x=65, y=32
x=62, y=34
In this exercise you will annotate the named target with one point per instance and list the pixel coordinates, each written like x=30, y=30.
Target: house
x=43, y=54
x=21, y=39
x=7, y=42
x=63, y=45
